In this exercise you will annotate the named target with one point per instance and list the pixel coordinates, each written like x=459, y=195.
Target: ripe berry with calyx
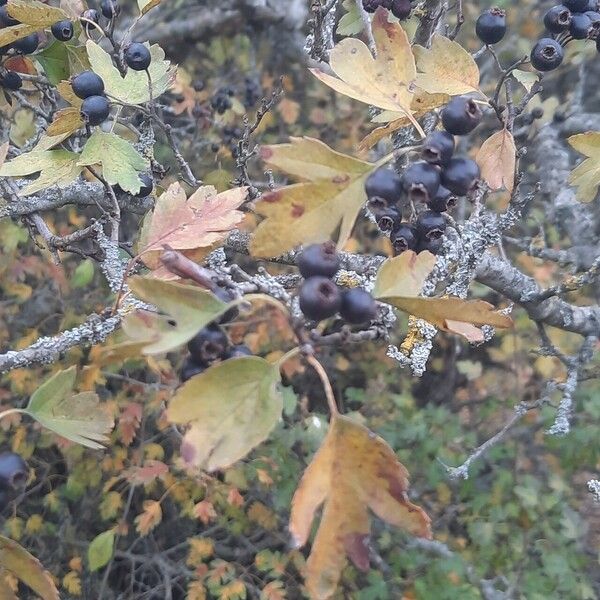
x=384, y=183
x=491, y=26
x=547, y=55
x=403, y=238
x=388, y=219
x=444, y=200
x=110, y=9
x=87, y=84
x=358, y=306
x=209, y=344
x=319, y=259
x=189, y=369
x=11, y=80
x=320, y=298
x=438, y=147
x=401, y=9
x=14, y=471
x=581, y=26
x=28, y=44
x=421, y=181
x=62, y=30
x=430, y=225
x=461, y=176
x=137, y=57
x=557, y=19
x=95, y=109
x=576, y=6
x=461, y=115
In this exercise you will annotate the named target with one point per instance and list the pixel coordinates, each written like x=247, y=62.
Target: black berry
x=421, y=181
x=320, y=298
x=438, y=148
x=443, y=200
x=110, y=9
x=371, y=5
x=87, y=84
x=431, y=245
x=189, y=368
x=430, y=225
x=319, y=259
x=576, y=6
x=11, y=80
x=547, y=54
x=388, y=219
x=89, y=15
x=358, y=306
x=238, y=351
x=5, y=19
x=491, y=26
x=384, y=183
x=461, y=115
x=557, y=19
x=595, y=26
x=147, y=185
x=14, y=471
x=137, y=57
x=95, y=109
x=401, y=9
x=28, y=44
x=208, y=345
x=403, y=238
x=461, y=176
x=62, y=30
x=581, y=26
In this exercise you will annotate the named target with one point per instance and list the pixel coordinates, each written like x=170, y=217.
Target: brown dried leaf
x=66, y=121
x=497, y=160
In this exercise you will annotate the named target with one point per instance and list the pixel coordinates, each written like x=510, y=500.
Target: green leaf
x=120, y=161
x=54, y=62
x=77, y=417
x=351, y=22
x=17, y=561
x=56, y=167
x=83, y=275
x=134, y=87
x=232, y=407
x=187, y=309
x=100, y=550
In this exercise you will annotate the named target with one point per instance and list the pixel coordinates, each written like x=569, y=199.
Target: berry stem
x=318, y=367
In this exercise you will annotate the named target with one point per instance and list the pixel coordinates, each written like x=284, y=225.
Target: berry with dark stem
x=27, y=44
x=110, y=9
x=208, y=345
x=491, y=26
x=137, y=56
x=547, y=55
x=461, y=176
x=358, y=306
x=576, y=6
x=401, y=9
x=62, y=30
x=430, y=225
x=421, y=181
x=461, y=115
x=11, y=80
x=443, y=200
x=237, y=351
x=87, y=84
x=189, y=369
x=14, y=471
x=581, y=26
x=319, y=259
x=557, y=19
x=95, y=109
x=403, y=238
x=319, y=298
x=384, y=183
x=438, y=147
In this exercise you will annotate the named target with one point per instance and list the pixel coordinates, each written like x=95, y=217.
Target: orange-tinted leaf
x=353, y=471
x=150, y=518
x=149, y=471
x=205, y=511
x=497, y=160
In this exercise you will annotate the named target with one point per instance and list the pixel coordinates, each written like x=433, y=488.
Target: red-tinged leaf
x=150, y=518
x=148, y=472
x=205, y=511
x=129, y=422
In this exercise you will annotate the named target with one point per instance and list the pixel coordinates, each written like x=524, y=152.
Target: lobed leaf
x=35, y=13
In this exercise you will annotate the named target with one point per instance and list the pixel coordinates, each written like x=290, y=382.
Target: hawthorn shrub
x=260, y=260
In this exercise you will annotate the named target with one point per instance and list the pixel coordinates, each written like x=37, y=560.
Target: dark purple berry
x=403, y=238
x=14, y=471
x=461, y=176
x=62, y=30
x=319, y=259
x=189, y=369
x=443, y=201
x=91, y=14
x=421, y=181
x=320, y=298
x=491, y=25
x=438, y=148
x=594, y=17
x=389, y=219
x=557, y=19
x=110, y=9
x=547, y=55
x=208, y=345
x=27, y=44
x=430, y=225
x=95, y=109
x=147, y=185
x=11, y=80
x=87, y=84
x=461, y=115
x=401, y=9
x=384, y=183
x=431, y=245
x=576, y=6
x=358, y=306
x=581, y=26
x=5, y=19
x=137, y=56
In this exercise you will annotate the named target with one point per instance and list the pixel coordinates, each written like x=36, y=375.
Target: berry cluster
x=399, y=8
x=221, y=101
x=90, y=88
x=572, y=20
x=436, y=181
x=14, y=474
x=320, y=298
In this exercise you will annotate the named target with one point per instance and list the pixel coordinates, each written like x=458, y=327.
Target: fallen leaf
x=77, y=417
x=34, y=13
x=446, y=68
x=148, y=472
x=146, y=521
x=497, y=160
x=120, y=161
x=400, y=281
x=353, y=471
x=186, y=310
x=231, y=408
x=28, y=569
x=66, y=121
x=586, y=176
x=189, y=224
x=100, y=550
x=385, y=81
x=309, y=212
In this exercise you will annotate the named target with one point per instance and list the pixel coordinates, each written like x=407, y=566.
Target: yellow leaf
x=354, y=470
x=385, y=81
x=497, y=160
x=66, y=120
x=196, y=591
x=586, y=176
x=399, y=283
x=8, y=35
x=72, y=583
x=150, y=518
x=304, y=213
x=34, y=13
x=200, y=549
x=446, y=68
x=262, y=515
